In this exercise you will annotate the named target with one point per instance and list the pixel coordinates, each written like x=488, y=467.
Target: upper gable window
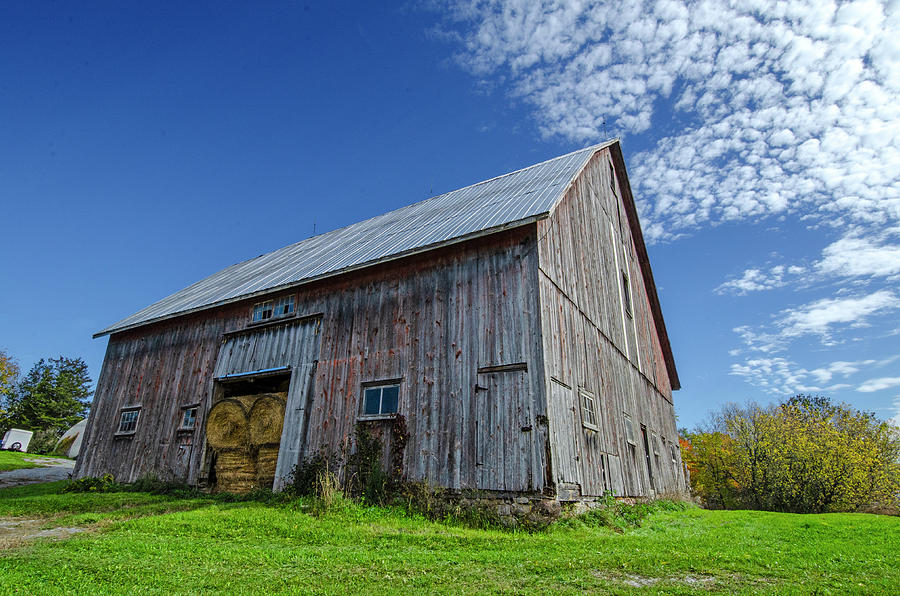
x=263, y=310
x=380, y=400
x=629, y=430
x=626, y=294
x=283, y=306
x=588, y=409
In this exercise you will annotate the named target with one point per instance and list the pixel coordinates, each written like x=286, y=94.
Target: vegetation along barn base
x=509, y=331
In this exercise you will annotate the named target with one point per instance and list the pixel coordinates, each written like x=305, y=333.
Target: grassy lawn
x=15, y=460
x=158, y=545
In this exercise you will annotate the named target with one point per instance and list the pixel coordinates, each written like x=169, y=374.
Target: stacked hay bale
x=245, y=433
x=228, y=433
x=266, y=420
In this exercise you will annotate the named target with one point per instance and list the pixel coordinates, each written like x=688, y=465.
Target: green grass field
x=14, y=460
x=150, y=544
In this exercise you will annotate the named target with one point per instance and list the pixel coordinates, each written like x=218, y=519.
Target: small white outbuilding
x=16, y=439
x=70, y=443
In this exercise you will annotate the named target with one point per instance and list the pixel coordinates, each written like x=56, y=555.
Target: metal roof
x=512, y=199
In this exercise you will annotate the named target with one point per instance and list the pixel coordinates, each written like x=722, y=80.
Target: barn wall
x=436, y=321
x=162, y=369
x=591, y=343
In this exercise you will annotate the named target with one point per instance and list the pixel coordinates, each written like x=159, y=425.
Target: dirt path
x=50, y=470
x=16, y=530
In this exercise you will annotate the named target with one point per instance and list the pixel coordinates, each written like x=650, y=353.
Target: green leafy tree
x=53, y=396
x=806, y=454
x=9, y=376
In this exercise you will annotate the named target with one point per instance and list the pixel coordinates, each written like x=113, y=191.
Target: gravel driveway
x=50, y=470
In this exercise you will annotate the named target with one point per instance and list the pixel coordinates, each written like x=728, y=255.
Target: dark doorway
x=647, y=456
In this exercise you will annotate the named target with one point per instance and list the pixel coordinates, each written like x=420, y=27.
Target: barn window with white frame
x=128, y=421
x=381, y=400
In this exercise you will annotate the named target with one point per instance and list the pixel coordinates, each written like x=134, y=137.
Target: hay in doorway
x=266, y=462
x=266, y=419
x=235, y=471
x=227, y=426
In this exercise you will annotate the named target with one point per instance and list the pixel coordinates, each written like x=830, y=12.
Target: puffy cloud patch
x=765, y=107
x=820, y=316
x=782, y=376
x=755, y=280
x=859, y=255
x=826, y=318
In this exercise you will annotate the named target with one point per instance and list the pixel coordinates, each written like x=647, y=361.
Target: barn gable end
x=602, y=349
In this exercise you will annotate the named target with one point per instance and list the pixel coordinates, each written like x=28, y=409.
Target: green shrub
x=93, y=484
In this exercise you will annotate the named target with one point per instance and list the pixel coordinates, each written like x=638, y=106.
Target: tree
x=53, y=396
x=806, y=454
x=9, y=376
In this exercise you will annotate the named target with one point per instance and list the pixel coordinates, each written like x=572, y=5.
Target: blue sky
x=146, y=147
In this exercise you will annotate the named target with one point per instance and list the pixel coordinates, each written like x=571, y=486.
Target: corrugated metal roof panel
x=521, y=195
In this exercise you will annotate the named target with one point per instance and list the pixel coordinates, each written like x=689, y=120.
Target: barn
x=509, y=331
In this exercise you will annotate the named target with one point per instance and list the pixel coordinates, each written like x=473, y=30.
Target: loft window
x=629, y=430
x=380, y=400
x=271, y=309
x=588, y=409
x=626, y=294
x=263, y=310
x=284, y=306
x=128, y=421
x=189, y=418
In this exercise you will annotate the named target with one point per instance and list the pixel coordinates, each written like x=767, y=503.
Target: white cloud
x=879, y=384
x=857, y=255
x=768, y=107
x=828, y=318
x=781, y=376
x=755, y=280
x=820, y=316
x=896, y=419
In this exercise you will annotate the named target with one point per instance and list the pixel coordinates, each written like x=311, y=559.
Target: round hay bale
x=245, y=400
x=227, y=427
x=235, y=471
x=266, y=461
x=266, y=419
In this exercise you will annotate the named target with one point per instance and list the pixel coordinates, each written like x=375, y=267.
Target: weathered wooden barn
x=511, y=328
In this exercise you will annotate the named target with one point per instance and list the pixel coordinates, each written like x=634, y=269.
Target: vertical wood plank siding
x=591, y=343
x=431, y=320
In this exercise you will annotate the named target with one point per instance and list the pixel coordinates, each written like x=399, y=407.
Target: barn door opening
x=244, y=430
x=256, y=428
x=504, y=441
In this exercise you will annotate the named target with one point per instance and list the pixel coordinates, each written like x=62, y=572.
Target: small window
x=128, y=421
x=629, y=430
x=189, y=418
x=626, y=293
x=588, y=410
x=263, y=310
x=379, y=400
x=284, y=306
x=674, y=452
